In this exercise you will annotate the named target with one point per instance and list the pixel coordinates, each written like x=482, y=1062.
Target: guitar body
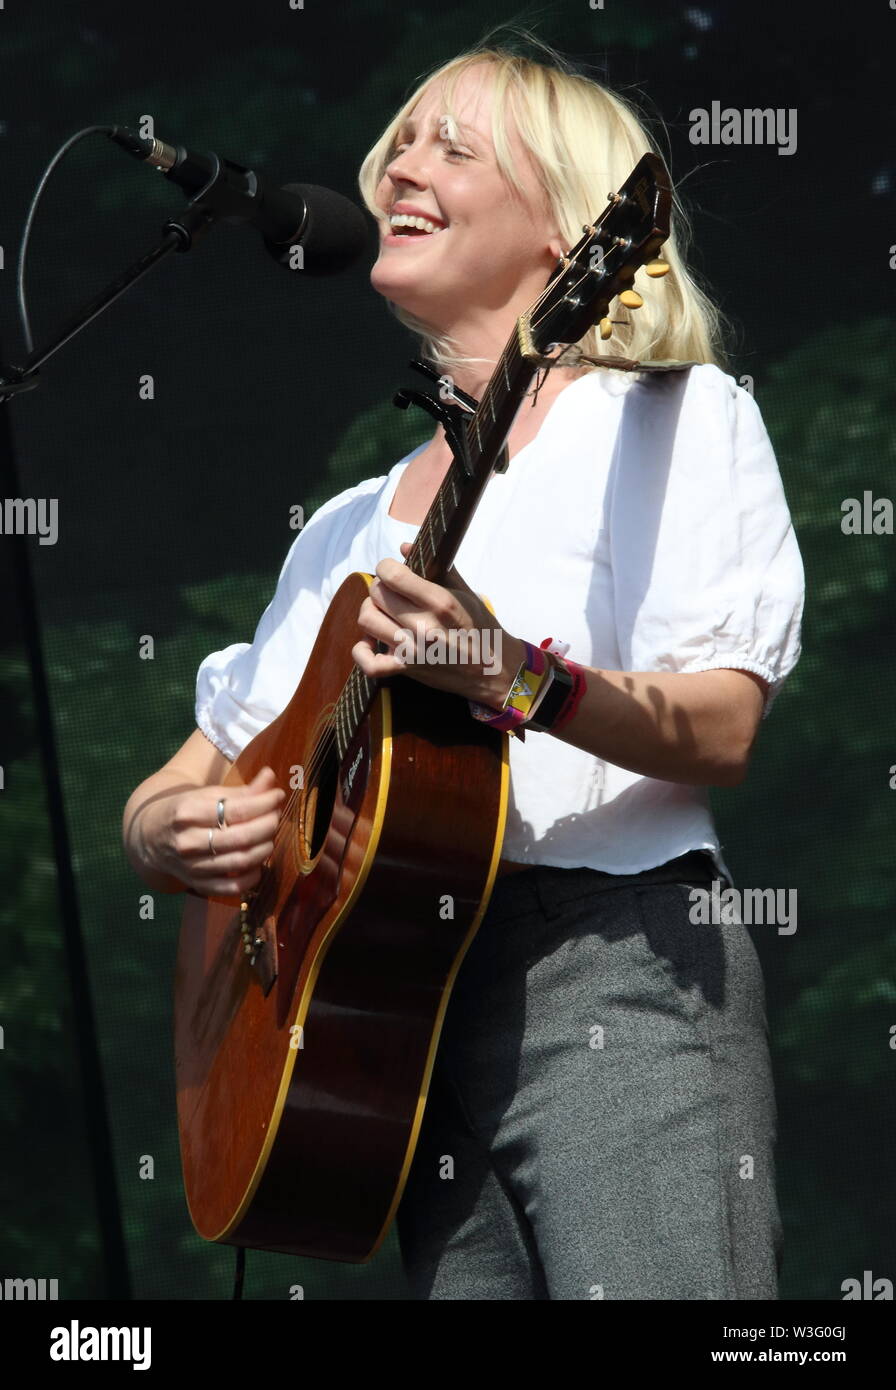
x=303, y=1062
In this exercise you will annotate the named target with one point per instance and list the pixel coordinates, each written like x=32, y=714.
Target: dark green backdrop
x=272, y=391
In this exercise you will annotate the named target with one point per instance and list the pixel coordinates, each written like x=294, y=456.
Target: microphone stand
x=216, y=201
x=16, y=379
x=181, y=232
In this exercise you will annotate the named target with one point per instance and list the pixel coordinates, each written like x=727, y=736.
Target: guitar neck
x=630, y=231
x=445, y=524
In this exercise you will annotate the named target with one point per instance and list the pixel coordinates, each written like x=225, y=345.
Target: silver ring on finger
x=210, y=845
x=221, y=821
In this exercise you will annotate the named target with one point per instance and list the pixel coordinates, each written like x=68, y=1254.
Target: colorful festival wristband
x=522, y=699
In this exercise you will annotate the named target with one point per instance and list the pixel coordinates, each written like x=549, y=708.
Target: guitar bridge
x=260, y=945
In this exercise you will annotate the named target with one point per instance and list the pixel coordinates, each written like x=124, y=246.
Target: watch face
x=557, y=687
x=538, y=702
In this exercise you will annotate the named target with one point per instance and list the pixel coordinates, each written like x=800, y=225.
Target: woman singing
x=601, y=1118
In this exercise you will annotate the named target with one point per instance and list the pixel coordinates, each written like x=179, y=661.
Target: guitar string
x=423, y=542
x=424, y=538
x=323, y=746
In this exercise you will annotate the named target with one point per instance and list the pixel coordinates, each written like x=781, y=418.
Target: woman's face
x=493, y=251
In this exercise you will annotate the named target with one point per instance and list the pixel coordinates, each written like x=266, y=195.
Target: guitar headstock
x=629, y=234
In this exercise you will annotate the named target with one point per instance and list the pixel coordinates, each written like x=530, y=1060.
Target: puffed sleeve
x=706, y=568
x=240, y=689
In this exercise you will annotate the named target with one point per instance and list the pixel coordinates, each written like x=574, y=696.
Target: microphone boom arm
x=180, y=233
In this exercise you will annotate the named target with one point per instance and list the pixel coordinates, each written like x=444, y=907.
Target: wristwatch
x=552, y=696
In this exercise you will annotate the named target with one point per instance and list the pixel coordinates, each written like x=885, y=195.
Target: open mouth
x=406, y=226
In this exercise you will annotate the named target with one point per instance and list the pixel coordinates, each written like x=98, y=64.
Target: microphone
x=330, y=229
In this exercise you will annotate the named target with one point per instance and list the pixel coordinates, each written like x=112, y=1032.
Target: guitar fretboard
x=445, y=524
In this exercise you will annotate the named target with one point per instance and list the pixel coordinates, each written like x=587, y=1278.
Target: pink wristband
x=574, y=698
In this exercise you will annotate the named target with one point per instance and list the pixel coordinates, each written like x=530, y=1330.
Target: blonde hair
x=584, y=141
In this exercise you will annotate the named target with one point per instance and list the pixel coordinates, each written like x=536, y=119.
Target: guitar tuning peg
x=631, y=299
x=657, y=268
x=606, y=329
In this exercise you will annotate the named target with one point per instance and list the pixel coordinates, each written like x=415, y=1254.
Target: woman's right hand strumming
x=172, y=833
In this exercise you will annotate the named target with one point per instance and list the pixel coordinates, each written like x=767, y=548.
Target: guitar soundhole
x=318, y=802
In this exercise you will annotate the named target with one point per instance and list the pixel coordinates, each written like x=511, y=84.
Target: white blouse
x=645, y=525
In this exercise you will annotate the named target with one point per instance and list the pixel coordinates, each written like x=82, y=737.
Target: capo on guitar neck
x=469, y=403
x=450, y=417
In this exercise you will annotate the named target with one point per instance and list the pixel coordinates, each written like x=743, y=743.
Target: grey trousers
x=601, y=1120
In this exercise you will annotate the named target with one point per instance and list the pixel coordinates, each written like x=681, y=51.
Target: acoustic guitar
x=307, y=1017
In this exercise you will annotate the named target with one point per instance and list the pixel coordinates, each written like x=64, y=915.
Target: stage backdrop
x=271, y=390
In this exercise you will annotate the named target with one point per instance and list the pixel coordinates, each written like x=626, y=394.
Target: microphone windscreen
x=336, y=232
